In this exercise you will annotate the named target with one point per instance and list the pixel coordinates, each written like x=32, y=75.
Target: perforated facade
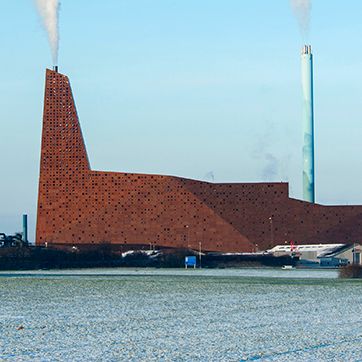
x=78, y=205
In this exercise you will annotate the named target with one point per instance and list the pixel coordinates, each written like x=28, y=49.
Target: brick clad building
x=77, y=205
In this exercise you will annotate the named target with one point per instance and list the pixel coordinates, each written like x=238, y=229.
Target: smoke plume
x=210, y=176
x=271, y=163
x=302, y=10
x=270, y=170
x=49, y=11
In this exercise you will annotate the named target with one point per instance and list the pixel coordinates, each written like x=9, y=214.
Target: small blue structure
x=190, y=261
x=333, y=262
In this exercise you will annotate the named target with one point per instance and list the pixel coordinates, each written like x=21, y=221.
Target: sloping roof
x=319, y=248
x=335, y=252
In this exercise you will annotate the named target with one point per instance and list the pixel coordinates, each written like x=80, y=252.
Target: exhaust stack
x=25, y=228
x=55, y=68
x=308, y=125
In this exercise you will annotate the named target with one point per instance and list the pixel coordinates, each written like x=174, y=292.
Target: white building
x=323, y=254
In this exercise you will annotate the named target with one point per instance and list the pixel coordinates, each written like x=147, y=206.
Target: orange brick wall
x=77, y=205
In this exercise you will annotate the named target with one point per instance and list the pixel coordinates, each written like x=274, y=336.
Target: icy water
x=178, y=315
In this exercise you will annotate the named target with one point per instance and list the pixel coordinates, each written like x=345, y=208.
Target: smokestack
x=55, y=68
x=308, y=125
x=25, y=228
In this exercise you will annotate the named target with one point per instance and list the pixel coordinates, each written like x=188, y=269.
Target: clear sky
x=186, y=87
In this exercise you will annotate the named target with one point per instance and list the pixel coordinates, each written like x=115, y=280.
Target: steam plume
x=302, y=10
x=210, y=176
x=270, y=162
x=270, y=171
x=49, y=11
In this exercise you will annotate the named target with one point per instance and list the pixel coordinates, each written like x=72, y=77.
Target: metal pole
x=200, y=254
x=271, y=232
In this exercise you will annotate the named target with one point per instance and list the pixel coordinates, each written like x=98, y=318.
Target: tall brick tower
x=64, y=161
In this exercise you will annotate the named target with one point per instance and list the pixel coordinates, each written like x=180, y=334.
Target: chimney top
x=307, y=49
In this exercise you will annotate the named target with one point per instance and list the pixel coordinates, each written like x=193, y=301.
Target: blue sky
x=185, y=87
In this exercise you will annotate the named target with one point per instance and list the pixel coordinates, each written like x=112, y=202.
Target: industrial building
x=323, y=255
x=81, y=206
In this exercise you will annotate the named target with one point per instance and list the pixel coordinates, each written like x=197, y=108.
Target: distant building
x=346, y=254
x=324, y=255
